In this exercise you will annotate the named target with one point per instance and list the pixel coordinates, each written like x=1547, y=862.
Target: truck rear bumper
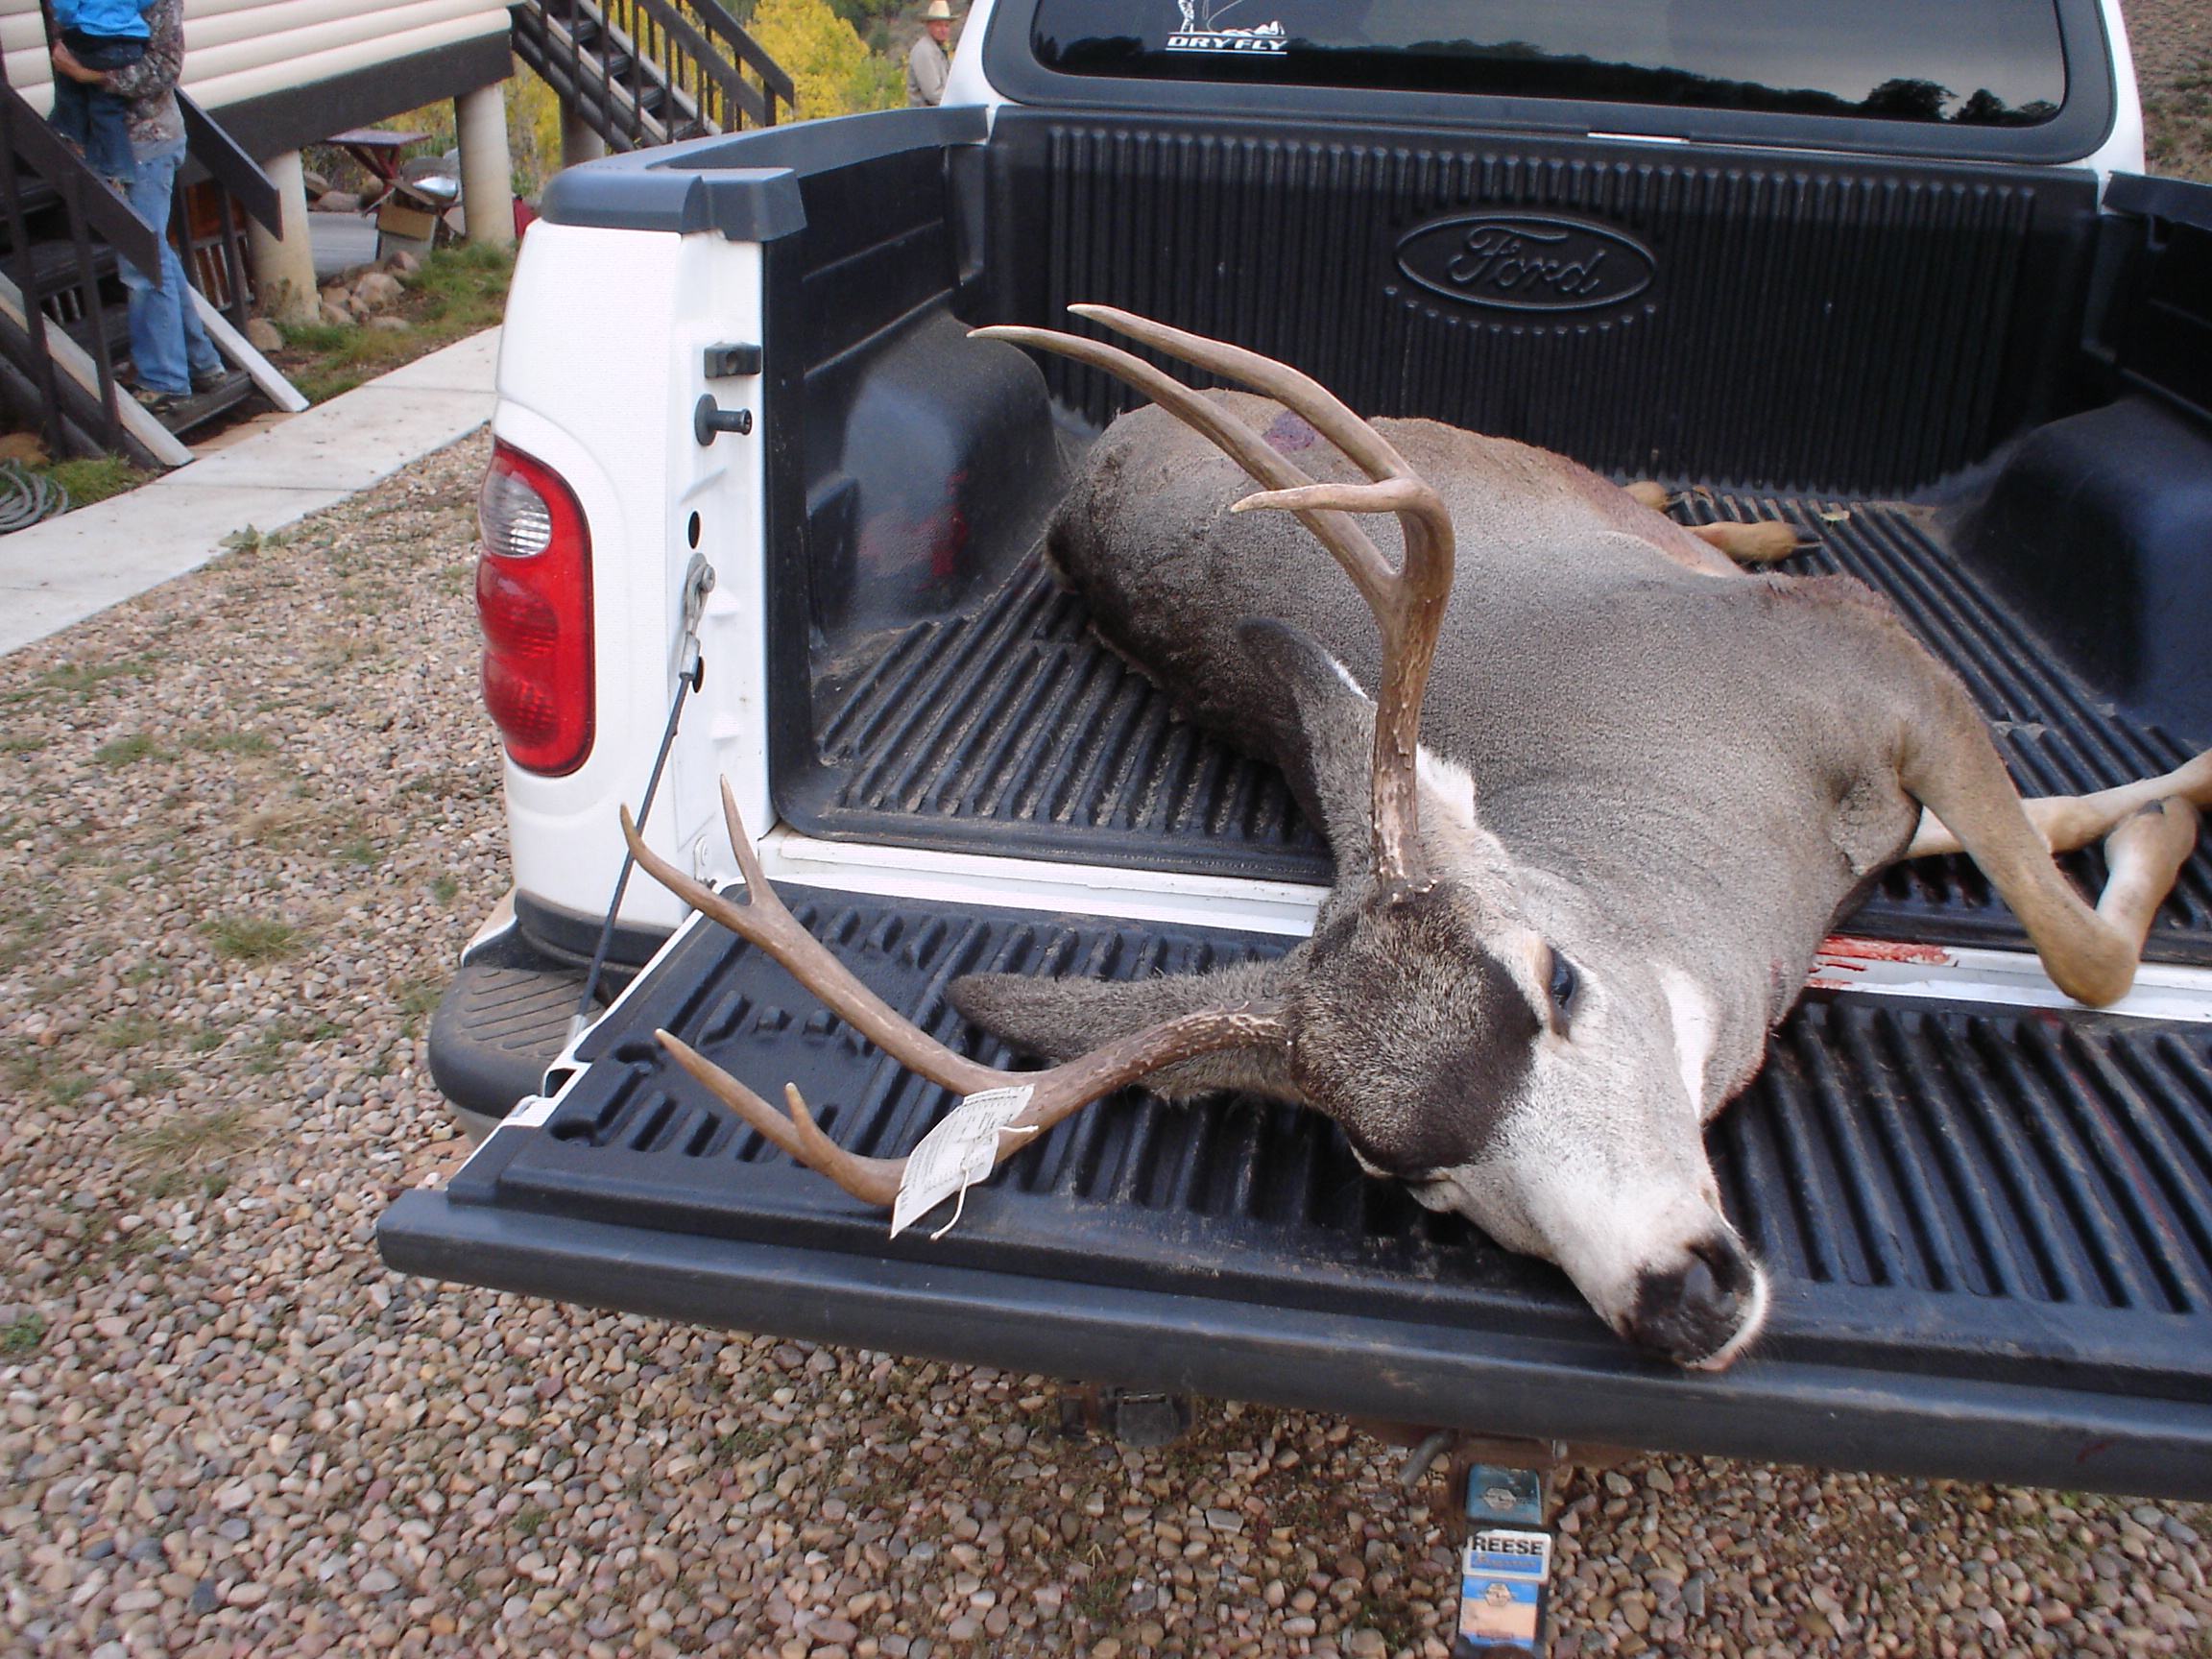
x=1327, y=1361
x=1984, y=1225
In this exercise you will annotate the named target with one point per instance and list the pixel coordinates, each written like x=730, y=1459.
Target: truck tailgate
x=1989, y=1230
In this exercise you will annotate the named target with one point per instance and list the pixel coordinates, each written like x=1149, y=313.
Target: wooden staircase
x=648, y=72
x=64, y=334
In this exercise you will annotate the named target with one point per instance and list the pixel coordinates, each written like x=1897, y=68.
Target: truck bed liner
x=1990, y=1221
x=1011, y=730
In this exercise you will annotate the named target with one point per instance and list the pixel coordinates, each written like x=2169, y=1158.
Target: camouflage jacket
x=149, y=84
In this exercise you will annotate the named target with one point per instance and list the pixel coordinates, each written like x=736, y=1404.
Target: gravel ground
x=2172, y=40
x=249, y=818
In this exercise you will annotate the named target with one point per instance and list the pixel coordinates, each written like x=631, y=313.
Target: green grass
x=459, y=290
x=129, y=1030
x=125, y=751
x=419, y=996
x=252, y=938
x=529, y=1520
x=443, y=888
x=184, y=1137
x=96, y=479
x=20, y=1338
x=743, y=1444
x=84, y=678
x=231, y=742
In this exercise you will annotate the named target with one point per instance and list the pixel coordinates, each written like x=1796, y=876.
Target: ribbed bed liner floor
x=2010, y=1195
x=1013, y=731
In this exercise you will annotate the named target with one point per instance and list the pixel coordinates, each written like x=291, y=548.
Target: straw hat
x=939, y=13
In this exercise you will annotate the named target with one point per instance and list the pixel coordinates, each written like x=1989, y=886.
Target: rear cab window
x=2021, y=80
x=1995, y=62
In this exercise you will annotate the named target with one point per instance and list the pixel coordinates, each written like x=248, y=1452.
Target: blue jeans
x=168, y=342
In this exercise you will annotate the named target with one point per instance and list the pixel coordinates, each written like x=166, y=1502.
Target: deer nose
x=1693, y=1310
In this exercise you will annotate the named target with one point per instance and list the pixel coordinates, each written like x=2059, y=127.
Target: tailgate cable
x=698, y=583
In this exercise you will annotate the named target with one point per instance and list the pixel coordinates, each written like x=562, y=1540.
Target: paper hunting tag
x=960, y=1151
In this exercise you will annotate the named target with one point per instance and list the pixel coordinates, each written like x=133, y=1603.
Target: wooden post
x=284, y=267
x=486, y=175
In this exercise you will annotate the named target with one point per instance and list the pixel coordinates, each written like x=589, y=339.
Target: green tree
x=834, y=70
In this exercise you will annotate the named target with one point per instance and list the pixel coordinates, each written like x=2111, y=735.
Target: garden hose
x=26, y=497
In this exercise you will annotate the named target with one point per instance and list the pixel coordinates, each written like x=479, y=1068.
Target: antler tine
x=1409, y=603
x=1335, y=530
x=1056, y=1094
x=872, y=1180
x=1365, y=447
x=762, y=920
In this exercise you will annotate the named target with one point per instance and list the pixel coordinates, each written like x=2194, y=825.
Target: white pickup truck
x=1886, y=270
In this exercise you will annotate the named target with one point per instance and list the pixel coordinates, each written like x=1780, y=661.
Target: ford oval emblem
x=1527, y=262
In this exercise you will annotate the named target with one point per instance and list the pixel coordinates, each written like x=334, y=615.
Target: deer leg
x=1760, y=543
x=2146, y=853
x=1946, y=760
x=2070, y=821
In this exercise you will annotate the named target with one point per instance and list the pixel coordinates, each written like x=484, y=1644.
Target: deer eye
x=1564, y=983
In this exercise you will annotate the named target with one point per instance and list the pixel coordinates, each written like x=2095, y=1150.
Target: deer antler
x=1409, y=603
x=764, y=920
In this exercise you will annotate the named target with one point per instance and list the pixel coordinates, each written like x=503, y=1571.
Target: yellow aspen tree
x=825, y=58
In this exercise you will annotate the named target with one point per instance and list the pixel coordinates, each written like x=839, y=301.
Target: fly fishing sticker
x=1207, y=27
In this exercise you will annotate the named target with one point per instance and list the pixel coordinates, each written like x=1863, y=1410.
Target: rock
x=401, y=263
x=389, y=324
x=263, y=335
x=317, y=186
x=204, y=1598
x=377, y=1580
x=1367, y=1644
x=337, y=201
x=337, y=314
x=378, y=291
x=25, y=449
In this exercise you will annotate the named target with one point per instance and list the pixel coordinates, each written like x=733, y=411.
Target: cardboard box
x=395, y=218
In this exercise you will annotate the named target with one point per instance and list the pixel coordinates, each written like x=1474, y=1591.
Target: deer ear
x=1327, y=752
x=1062, y=1019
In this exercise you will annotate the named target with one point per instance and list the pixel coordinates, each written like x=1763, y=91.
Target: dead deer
x=1592, y=809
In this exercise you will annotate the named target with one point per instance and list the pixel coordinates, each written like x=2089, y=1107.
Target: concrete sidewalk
x=73, y=566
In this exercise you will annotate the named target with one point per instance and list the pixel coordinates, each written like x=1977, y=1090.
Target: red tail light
x=534, y=603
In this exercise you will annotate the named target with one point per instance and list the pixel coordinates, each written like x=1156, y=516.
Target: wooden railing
x=30, y=153
x=649, y=72
x=242, y=185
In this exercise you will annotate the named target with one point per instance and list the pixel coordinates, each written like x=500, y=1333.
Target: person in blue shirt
x=102, y=35
x=169, y=343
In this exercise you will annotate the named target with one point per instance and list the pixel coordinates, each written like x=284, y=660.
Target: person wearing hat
x=926, y=65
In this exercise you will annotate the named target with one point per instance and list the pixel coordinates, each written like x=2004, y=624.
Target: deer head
x=1468, y=1021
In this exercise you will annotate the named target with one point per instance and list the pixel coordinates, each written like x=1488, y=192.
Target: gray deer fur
x=1663, y=774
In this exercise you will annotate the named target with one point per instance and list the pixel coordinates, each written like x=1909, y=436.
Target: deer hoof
x=1751, y=543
